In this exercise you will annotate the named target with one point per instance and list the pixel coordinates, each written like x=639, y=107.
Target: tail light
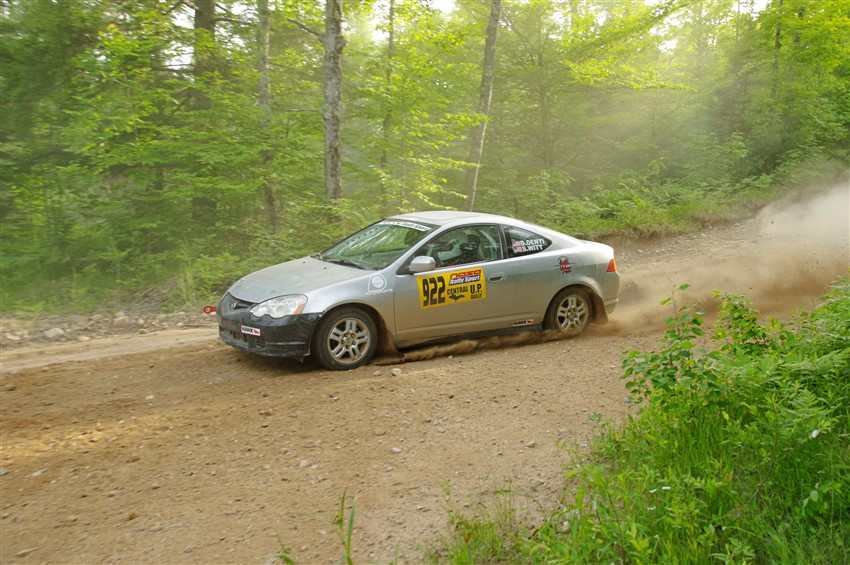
x=612, y=266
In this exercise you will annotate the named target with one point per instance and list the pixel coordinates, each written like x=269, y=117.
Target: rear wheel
x=345, y=339
x=569, y=312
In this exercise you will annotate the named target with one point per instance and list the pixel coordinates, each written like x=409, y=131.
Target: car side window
x=523, y=242
x=460, y=246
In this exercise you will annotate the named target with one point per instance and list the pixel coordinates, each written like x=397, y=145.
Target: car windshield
x=377, y=246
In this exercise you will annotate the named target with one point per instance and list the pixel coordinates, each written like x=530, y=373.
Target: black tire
x=570, y=312
x=345, y=339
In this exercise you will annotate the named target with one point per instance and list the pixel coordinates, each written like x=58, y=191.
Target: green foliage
x=345, y=530
x=634, y=208
x=408, y=158
x=132, y=145
x=493, y=535
x=284, y=555
x=679, y=367
x=739, y=455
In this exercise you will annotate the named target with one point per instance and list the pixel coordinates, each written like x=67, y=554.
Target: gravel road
x=149, y=442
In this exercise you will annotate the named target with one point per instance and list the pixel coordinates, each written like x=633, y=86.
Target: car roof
x=442, y=217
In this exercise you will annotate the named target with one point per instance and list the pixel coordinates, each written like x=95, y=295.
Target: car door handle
x=497, y=277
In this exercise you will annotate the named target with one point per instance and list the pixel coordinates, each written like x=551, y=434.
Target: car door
x=470, y=290
x=532, y=275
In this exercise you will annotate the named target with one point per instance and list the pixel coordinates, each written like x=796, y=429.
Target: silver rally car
x=417, y=278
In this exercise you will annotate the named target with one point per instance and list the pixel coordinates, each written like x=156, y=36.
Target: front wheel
x=345, y=339
x=569, y=312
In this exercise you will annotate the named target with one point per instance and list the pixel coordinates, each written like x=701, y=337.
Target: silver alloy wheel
x=345, y=338
x=570, y=311
x=349, y=340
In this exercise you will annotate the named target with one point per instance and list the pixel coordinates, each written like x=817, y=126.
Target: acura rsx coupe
x=418, y=278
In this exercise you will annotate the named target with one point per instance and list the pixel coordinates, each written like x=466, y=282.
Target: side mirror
x=422, y=264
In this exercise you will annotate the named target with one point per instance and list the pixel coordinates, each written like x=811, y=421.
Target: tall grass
x=739, y=452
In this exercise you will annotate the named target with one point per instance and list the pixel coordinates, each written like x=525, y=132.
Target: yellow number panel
x=452, y=288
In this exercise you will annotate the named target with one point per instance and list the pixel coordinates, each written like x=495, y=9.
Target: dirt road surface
x=168, y=447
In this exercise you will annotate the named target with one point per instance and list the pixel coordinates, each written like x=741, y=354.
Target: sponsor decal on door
x=452, y=288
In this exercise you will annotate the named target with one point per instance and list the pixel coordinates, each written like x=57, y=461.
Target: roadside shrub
x=740, y=454
x=736, y=454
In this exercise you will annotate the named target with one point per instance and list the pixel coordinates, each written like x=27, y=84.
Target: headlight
x=281, y=306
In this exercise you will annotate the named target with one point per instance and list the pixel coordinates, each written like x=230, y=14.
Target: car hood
x=299, y=276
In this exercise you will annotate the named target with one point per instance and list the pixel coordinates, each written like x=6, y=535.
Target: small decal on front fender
x=251, y=331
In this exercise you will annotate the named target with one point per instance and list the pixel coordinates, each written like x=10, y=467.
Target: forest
x=156, y=150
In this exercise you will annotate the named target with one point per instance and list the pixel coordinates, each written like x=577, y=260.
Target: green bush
x=737, y=454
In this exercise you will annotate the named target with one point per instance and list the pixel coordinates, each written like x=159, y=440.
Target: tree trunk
x=476, y=147
x=777, y=48
x=264, y=94
x=334, y=44
x=264, y=101
x=387, y=125
x=204, y=37
x=204, y=27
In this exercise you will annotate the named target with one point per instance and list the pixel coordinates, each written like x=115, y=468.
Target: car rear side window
x=523, y=242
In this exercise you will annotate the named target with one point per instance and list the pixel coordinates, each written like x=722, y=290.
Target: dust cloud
x=783, y=260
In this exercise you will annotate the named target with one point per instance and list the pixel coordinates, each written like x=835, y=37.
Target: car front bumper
x=289, y=336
